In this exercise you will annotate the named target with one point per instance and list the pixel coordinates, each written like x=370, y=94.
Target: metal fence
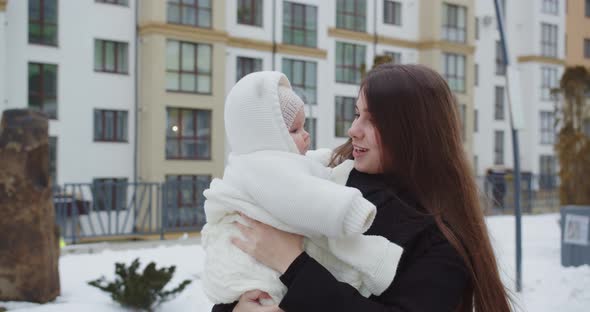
x=103, y=210
x=115, y=209
x=539, y=193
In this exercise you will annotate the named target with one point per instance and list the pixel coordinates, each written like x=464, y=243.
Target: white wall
x=232, y=55
x=485, y=56
x=410, y=27
x=80, y=89
x=409, y=56
x=263, y=33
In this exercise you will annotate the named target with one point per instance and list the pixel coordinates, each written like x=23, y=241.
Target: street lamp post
x=515, y=123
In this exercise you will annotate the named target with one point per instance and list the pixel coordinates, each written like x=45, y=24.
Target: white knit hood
x=253, y=118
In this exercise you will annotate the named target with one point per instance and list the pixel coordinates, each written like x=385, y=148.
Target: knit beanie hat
x=290, y=103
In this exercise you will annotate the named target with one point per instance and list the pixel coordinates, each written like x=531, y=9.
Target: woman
x=407, y=147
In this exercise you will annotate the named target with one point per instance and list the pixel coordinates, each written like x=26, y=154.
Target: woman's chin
x=360, y=166
x=364, y=167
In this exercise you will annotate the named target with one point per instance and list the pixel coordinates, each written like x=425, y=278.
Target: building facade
x=61, y=58
x=325, y=46
x=536, y=39
x=578, y=33
x=181, y=90
x=190, y=54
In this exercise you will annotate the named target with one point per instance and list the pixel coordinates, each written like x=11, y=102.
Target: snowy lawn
x=547, y=286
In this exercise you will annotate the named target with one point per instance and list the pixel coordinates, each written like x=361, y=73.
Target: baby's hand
x=250, y=302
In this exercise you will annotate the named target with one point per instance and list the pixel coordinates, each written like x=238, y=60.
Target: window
x=499, y=103
x=119, y=2
x=475, y=164
x=311, y=128
x=475, y=120
x=250, y=12
x=454, y=65
x=392, y=12
x=345, y=111
x=454, y=23
x=186, y=191
x=503, y=9
x=190, y=12
x=188, y=134
x=462, y=117
x=109, y=194
x=500, y=63
x=53, y=160
x=476, y=28
x=247, y=65
x=110, y=126
x=43, y=88
x=498, y=147
x=300, y=24
x=188, y=67
x=476, y=75
x=303, y=78
x=547, y=128
x=547, y=172
x=548, y=40
x=43, y=22
x=587, y=8
x=111, y=56
x=396, y=57
x=550, y=7
x=351, y=14
x=587, y=48
x=350, y=62
x=586, y=127
x=548, y=82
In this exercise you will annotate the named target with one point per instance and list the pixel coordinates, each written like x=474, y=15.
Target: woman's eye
x=357, y=115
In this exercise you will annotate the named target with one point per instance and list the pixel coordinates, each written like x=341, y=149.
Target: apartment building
x=325, y=46
x=181, y=53
x=60, y=57
x=578, y=32
x=536, y=39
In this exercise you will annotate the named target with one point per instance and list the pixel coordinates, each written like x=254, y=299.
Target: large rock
x=29, y=246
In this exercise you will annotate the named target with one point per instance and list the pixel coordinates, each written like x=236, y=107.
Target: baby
x=268, y=178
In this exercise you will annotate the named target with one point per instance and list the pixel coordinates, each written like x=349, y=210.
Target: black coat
x=430, y=276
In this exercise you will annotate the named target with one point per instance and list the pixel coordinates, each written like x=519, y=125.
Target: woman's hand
x=250, y=302
x=272, y=247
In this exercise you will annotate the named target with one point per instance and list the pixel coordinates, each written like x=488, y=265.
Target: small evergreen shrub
x=143, y=291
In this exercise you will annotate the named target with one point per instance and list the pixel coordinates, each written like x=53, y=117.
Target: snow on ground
x=547, y=285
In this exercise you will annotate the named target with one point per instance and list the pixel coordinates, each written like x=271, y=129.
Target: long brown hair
x=416, y=116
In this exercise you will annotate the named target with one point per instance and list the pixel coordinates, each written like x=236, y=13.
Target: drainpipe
x=136, y=91
x=274, y=43
x=374, y=29
x=135, y=112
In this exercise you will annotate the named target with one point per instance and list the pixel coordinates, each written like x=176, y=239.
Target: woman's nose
x=354, y=131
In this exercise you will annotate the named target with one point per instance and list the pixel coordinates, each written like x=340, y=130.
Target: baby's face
x=298, y=133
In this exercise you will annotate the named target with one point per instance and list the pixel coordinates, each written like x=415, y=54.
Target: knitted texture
x=331, y=215
x=290, y=103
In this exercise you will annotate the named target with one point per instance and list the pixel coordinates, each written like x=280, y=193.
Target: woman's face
x=365, y=140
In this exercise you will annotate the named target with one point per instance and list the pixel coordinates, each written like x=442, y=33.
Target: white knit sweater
x=294, y=193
